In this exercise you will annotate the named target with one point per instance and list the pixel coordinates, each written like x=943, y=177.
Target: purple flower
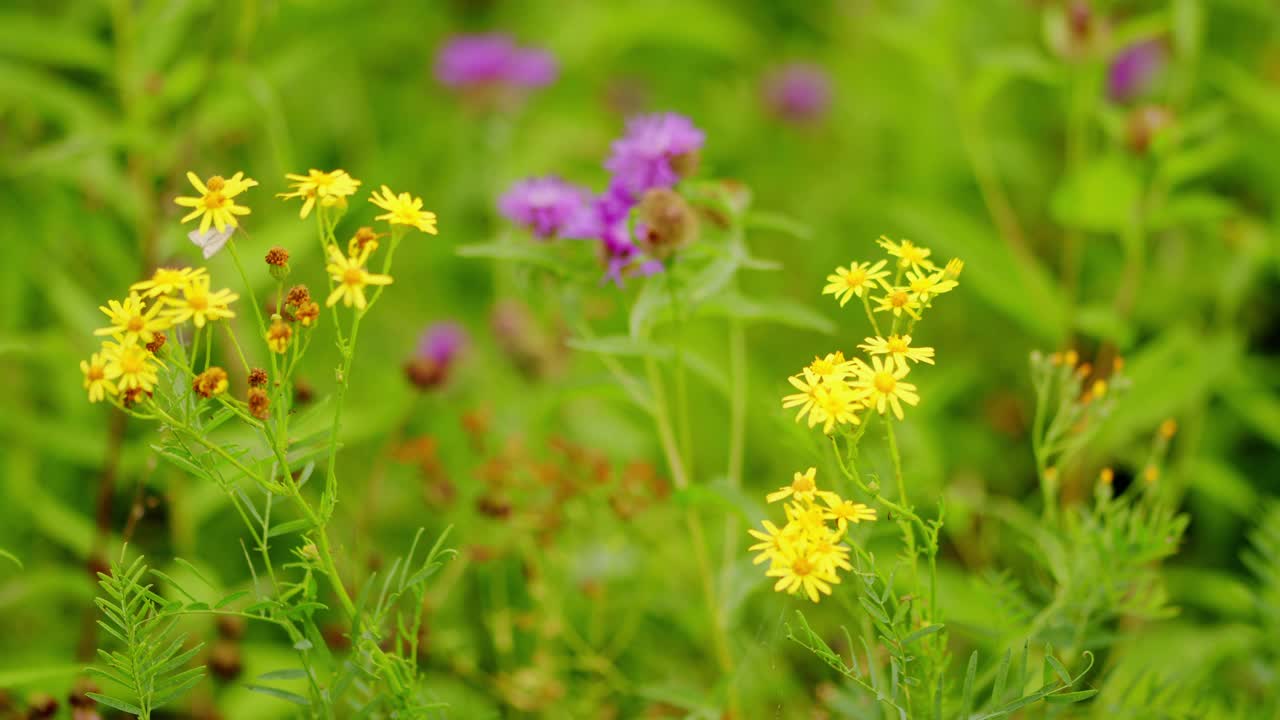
x=438, y=350
x=605, y=220
x=1133, y=69
x=799, y=92
x=493, y=59
x=547, y=205
x=653, y=152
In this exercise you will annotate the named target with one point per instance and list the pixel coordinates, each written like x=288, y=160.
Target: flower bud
x=666, y=223
x=278, y=262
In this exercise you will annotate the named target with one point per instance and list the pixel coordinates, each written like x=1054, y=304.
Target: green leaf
x=285, y=528
x=922, y=632
x=292, y=697
x=11, y=558
x=116, y=703
x=1070, y=697
x=286, y=674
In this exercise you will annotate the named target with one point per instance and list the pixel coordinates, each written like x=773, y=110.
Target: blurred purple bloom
x=606, y=220
x=799, y=92
x=646, y=156
x=438, y=350
x=493, y=59
x=1133, y=68
x=547, y=205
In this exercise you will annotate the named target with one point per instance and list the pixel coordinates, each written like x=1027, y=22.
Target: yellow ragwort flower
x=99, y=375
x=351, y=279
x=827, y=402
x=856, y=280
x=216, y=204
x=166, y=281
x=898, y=348
x=825, y=548
x=884, y=386
x=328, y=188
x=199, y=305
x=278, y=335
x=132, y=320
x=847, y=512
x=908, y=253
x=803, y=487
x=926, y=285
x=404, y=209
x=898, y=301
x=798, y=570
x=770, y=545
x=131, y=365
x=832, y=367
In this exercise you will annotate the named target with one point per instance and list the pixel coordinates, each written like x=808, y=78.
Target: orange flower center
x=885, y=383
x=353, y=277
x=136, y=324
x=215, y=184
x=856, y=278
x=131, y=364
x=899, y=299
x=198, y=303
x=801, y=566
x=96, y=372
x=802, y=484
x=897, y=345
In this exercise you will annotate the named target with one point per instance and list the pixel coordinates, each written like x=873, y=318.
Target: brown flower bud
x=259, y=403
x=308, y=313
x=277, y=257
x=156, y=343
x=668, y=223
x=257, y=377
x=364, y=241
x=298, y=296
x=224, y=660
x=211, y=382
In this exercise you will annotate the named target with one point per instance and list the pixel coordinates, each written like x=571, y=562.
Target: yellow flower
x=802, y=488
x=908, y=253
x=99, y=374
x=166, y=281
x=926, y=285
x=798, y=570
x=854, y=281
x=330, y=188
x=131, y=320
x=278, y=335
x=826, y=550
x=808, y=519
x=898, y=348
x=216, y=204
x=833, y=366
x=953, y=268
x=829, y=402
x=199, y=305
x=770, y=545
x=847, y=512
x=210, y=383
x=898, y=301
x=884, y=387
x=404, y=209
x=131, y=365
x=351, y=279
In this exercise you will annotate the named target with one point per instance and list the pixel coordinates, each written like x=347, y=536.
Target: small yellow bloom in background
x=856, y=280
x=847, y=512
x=99, y=374
x=328, y=188
x=908, y=253
x=351, y=279
x=898, y=348
x=884, y=387
x=166, y=281
x=404, y=209
x=1168, y=429
x=199, y=305
x=1107, y=476
x=1150, y=473
x=770, y=545
x=132, y=321
x=953, y=269
x=216, y=204
x=278, y=335
x=210, y=383
x=799, y=571
x=925, y=285
x=831, y=367
x=132, y=366
x=803, y=487
x=898, y=301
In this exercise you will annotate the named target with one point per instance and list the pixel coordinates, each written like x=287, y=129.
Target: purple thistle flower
x=653, y=151
x=548, y=205
x=605, y=220
x=438, y=350
x=799, y=92
x=1133, y=68
x=493, y=59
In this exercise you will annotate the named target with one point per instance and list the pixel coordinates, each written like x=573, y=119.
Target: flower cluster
x=125, y=369
x=655, y=152
x=834, y=390
x=807, y=553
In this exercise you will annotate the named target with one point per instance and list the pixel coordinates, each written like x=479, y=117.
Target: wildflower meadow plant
x=171, y=357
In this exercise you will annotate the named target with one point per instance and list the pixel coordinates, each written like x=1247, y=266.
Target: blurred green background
x=981, y=130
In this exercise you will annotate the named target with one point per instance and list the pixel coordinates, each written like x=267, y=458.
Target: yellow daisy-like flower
x=898, y=348
x=771, y=541
x=166, y=281
x=856, y=280
x=798, y=570
x=898, y=301
x=810, y=387
x=199, y=305
x=131, y=365
x=885, y=388
x=847, y=512
x=99, y=376
x=404, y=209
x=329, y=188
x=838, y=403
x=953, y=268
x=908, y=253
x=825, y=548
x=131, y=320
x=803, y=487
x=832, y=367
x=925, y=285
x=351, y=279
x=807, y=517
x=216, y=204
